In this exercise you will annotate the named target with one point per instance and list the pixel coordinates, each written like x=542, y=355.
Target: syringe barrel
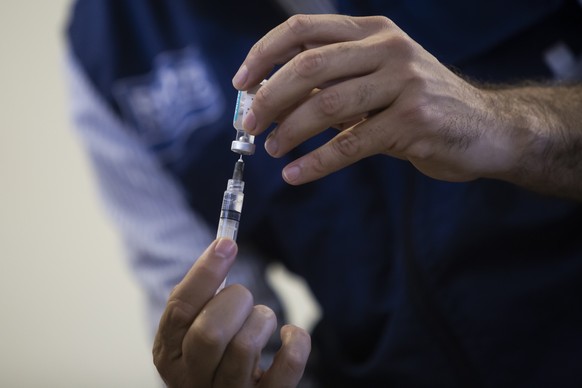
x=231, y=209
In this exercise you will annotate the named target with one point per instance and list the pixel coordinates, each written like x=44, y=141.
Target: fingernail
x=225, y=248
x=239, y=79
x=250, y=121
x=291, y=173
x=271, y=145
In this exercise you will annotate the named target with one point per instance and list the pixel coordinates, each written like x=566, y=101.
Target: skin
x=209, y=339
x=387, y=95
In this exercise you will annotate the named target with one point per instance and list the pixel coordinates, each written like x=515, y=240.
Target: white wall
x=70, y=312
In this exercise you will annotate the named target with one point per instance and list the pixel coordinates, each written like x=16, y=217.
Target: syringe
x=232, y=203
x=243, y=144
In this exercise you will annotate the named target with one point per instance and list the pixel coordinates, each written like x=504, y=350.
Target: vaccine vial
x=243, y=143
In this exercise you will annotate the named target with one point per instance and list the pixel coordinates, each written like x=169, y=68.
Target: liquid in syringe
x=232, y=202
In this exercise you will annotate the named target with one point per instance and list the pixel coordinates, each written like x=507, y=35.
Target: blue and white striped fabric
x=161, y=233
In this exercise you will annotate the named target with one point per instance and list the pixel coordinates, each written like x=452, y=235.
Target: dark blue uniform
x=421, y=282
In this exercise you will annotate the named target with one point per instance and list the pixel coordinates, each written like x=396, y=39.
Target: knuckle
x=300, y=24
x=263, y=98
x=380, y=22
x=249, y=345
x=319, y=164
x=364, y=94
x=418, y=111
x=395, y=143
x=347, y=144
x=393, y=45
x=207, y=269
x=308, y=63
x=421, y=150
x=159, y=355
x=208, y=336
x=286, y=134
x=245, y=345
x=419, y=86
x=258, y=49
x=242, y=294
x=163, y=357
x=330, y=102
x=179, y=314
x=397, y=146
x=402, y=46
x=425, y=115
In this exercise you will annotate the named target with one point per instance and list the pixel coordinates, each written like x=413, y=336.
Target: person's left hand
x=207, y=339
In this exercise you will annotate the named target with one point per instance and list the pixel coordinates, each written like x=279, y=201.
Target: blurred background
x=71, y=314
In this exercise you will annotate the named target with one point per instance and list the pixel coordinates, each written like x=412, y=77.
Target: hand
x=385, y=93
x=208, y=340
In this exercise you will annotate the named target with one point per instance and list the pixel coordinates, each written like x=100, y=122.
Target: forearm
x=545, y=124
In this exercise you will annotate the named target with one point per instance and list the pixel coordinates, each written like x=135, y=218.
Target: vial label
x=244, y=101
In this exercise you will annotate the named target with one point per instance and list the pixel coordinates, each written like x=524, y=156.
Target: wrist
x=541, y=127
x=516, y=131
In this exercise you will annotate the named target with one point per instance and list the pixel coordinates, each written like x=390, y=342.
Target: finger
x=242, y=355
x=308, y=70
x=289, y=362
x=348, y=101
x=213, y=329
x=187, y=299
x=362, y=140
x=298, y=33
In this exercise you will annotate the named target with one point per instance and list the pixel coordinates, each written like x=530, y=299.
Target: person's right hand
x=215, y=340
x=386, y=93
